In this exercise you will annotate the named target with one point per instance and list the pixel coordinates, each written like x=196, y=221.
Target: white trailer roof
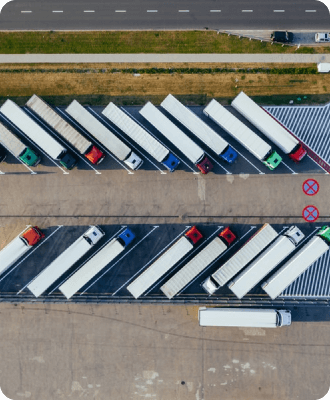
x=197, y=126
x=290, y=271
x=193, y=267
x=10, y=141
x=26, y=124
x=264, y=122
x=157, y=269
x=91, y=268
x=239, y=131
x=59, y=266
x=98, y=130
x=245, y=254
x=11, y=253
x=136, y=132
x=172, y=133
x=261, y=266
x=42, y=109
x=237, y=317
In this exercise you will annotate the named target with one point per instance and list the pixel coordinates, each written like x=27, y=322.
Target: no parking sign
x=310, y=213
x=311, y=187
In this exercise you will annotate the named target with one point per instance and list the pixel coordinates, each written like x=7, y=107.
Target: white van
x=323, y=67
x=243, y=317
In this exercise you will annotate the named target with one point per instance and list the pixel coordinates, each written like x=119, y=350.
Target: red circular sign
x=310, y=213
x=310, y=187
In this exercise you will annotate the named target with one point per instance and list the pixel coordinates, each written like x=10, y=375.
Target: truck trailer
x=298, y=264
x=199, y=128
x=282, y=247
x=164, y=263
x=175, y=135
x=260, y=240
x=16, y=147
x=76, y=139
x=65, y=261
x=19, y=246
x=244, y=317
x=37, y=134
x=194, y=267
x=99, y=261
x=103, y=135
x=141, y=136
x=269, y=126
x=244, y=135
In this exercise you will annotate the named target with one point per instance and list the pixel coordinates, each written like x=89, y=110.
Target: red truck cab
x=33, y=235
x=95, y=155
x=205, y=166
x=194, y=235
x=228, y=236
x=298, y=153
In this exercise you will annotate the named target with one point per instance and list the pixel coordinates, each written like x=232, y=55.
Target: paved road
x=159, y=58
x=155, y=14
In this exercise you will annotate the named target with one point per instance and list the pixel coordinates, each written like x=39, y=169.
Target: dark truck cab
x=282, y=36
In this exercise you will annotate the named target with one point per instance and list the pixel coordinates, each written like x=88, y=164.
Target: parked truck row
x=50, y=132
x=241, y=272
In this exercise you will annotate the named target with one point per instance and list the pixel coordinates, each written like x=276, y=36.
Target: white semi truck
x=19, y=246
x=103, y=135
x=141, y=136
x=99, y=261
x=164, y=263
x=298, y=264
x=244, y=135
x=75, y=138
x=175, y=135
x=259, y=241
x=282, y=247
x=65, y=260
x=17, y=147
x=243, y=317
x=37, y=134
x=269, y=126
x=199, y=128
x=195, y=266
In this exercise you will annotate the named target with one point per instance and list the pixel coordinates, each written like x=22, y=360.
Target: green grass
x=138, y=42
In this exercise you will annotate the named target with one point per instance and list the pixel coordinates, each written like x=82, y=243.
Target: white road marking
x=183, y=10
x=310, y=10
x=278, y=10
x=122, y=11
x=152, y=11
x=214, y=160
x=26, y=12
x=247, y=10
x=215, y=10
x=170, y=150
x=155, y=227
x=59, y=227
x=89, y=11
x=149, y=262
x=293, y=172
x=57, y=11
x=100, y=145
x=116, y=234
x=70, y=147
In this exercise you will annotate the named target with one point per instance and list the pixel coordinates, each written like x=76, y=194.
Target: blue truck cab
x=229, y=155
x=126, y=237
x=171, y=162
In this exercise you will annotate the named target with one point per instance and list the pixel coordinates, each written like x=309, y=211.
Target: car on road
x=322, y=37
x=282, y=36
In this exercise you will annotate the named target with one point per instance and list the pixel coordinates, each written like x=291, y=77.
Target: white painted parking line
x=99, y=144
x=281, y=11
x=60, y=139
x=57, y=11
x=187, y=165
x=26, y=12
x=152, y=11
x=181, y=262
x=221, y=166
x=161, y=171
x=149, y=262
x=59, y=227
x=310, y=10
x=2, y=173
x=92, y=255
x=215, y=11
x=29, y=140
x=120, y=11
x=293, y=173
x=260, y=172
x=213, y=262
x=141, y=240
x=31, y=252
x=184, y=11
x=89, y=11
x=247, y=10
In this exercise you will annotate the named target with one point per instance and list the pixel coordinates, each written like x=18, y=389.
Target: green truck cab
x=29, y=157
x=324, y=233
x=272, y=160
